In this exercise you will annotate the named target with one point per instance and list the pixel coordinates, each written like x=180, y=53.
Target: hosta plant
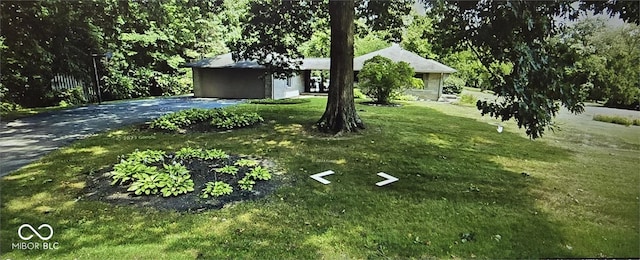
x=246, y=183
x=246, y=163
x=145, y=184
x=229, y=169
x=174, y=185
x=216, y=189
x=188, y=153
x=147, y=156
x=259, y=173
x=126, y=171
x=214, y=154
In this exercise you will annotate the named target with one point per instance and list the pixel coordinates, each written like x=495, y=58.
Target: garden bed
x=99, y=186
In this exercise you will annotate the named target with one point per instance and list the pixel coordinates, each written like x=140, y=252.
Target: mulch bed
x=99, y=188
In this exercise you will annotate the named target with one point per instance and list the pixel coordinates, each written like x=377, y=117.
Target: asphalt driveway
x=27, y=139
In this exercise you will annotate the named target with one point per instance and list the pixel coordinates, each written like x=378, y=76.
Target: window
x=289, y=82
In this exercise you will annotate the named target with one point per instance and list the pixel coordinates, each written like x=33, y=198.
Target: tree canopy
x=517, y=34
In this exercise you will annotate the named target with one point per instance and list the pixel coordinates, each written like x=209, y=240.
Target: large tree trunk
x=340, y=114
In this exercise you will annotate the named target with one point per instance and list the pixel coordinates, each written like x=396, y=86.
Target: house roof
x=224, y=61
x=396, y=53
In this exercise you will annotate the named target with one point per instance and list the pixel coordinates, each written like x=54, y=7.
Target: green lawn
x=25, y=112
x=459, y=178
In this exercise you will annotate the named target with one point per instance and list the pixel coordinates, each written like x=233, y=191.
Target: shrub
x=9, y=107
x=218, y=118
x=468, y=99
x=616, y=120
x=380, y=77
x=233, y=120
x=453, y=85
x=216, y=189
x=280, y=101
x=358, y=94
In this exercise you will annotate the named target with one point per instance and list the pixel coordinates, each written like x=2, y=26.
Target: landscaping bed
x=101, y=186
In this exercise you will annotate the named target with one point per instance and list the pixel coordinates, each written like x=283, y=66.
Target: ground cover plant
x=156, y=172
x=465, y=191
x=205, y=119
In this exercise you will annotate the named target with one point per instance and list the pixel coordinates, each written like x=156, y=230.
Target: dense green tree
x=608, y=60
x=149, y=40
x=43, y=39
x=517, y=34
x=380, y=77
x=419, y=36
x=274, y=29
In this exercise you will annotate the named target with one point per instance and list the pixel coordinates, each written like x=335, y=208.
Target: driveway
x=24, y=140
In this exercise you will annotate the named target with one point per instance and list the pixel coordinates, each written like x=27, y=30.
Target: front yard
x=465, y=191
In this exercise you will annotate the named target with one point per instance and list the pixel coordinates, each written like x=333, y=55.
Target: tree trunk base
x=338, y=122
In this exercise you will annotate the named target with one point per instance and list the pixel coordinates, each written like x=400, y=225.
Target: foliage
x=175, y=180
x=274, y=29
x=453, y=85
x=259, y=173
x=517, y=34
x=214, y=154
x=186, y=153
x=270, y=101
x=474, y=152
x=357, y=94
x=380, y=77
x=468, y=99
x=74, y=96
x=246, y=183
x=216, y=189
x=605, y=53
x=369, y=43
x=149, y=41
x=130, y=170
x=417, y=36
x=469, y=68
x=147, y=156
x=218, y=118
x=246, y=163
x=146, y=183
x=228, y=169
x=234, y=120
x=617, y=120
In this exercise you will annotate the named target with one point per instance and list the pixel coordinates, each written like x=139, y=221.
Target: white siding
x=286, y=88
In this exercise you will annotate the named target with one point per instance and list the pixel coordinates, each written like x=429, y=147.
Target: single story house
x=222, y=77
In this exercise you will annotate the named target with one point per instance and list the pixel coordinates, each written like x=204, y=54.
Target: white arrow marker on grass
x=389, y=179
x=318, y=176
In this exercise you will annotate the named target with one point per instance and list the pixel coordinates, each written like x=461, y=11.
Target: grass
x=288, y=101
x=627, y=121
x=458, y=176
x=25, y=112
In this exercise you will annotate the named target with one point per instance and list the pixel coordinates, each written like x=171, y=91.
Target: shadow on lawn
x=447, y=188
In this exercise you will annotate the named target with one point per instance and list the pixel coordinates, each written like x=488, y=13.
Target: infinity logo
x=35, y=232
